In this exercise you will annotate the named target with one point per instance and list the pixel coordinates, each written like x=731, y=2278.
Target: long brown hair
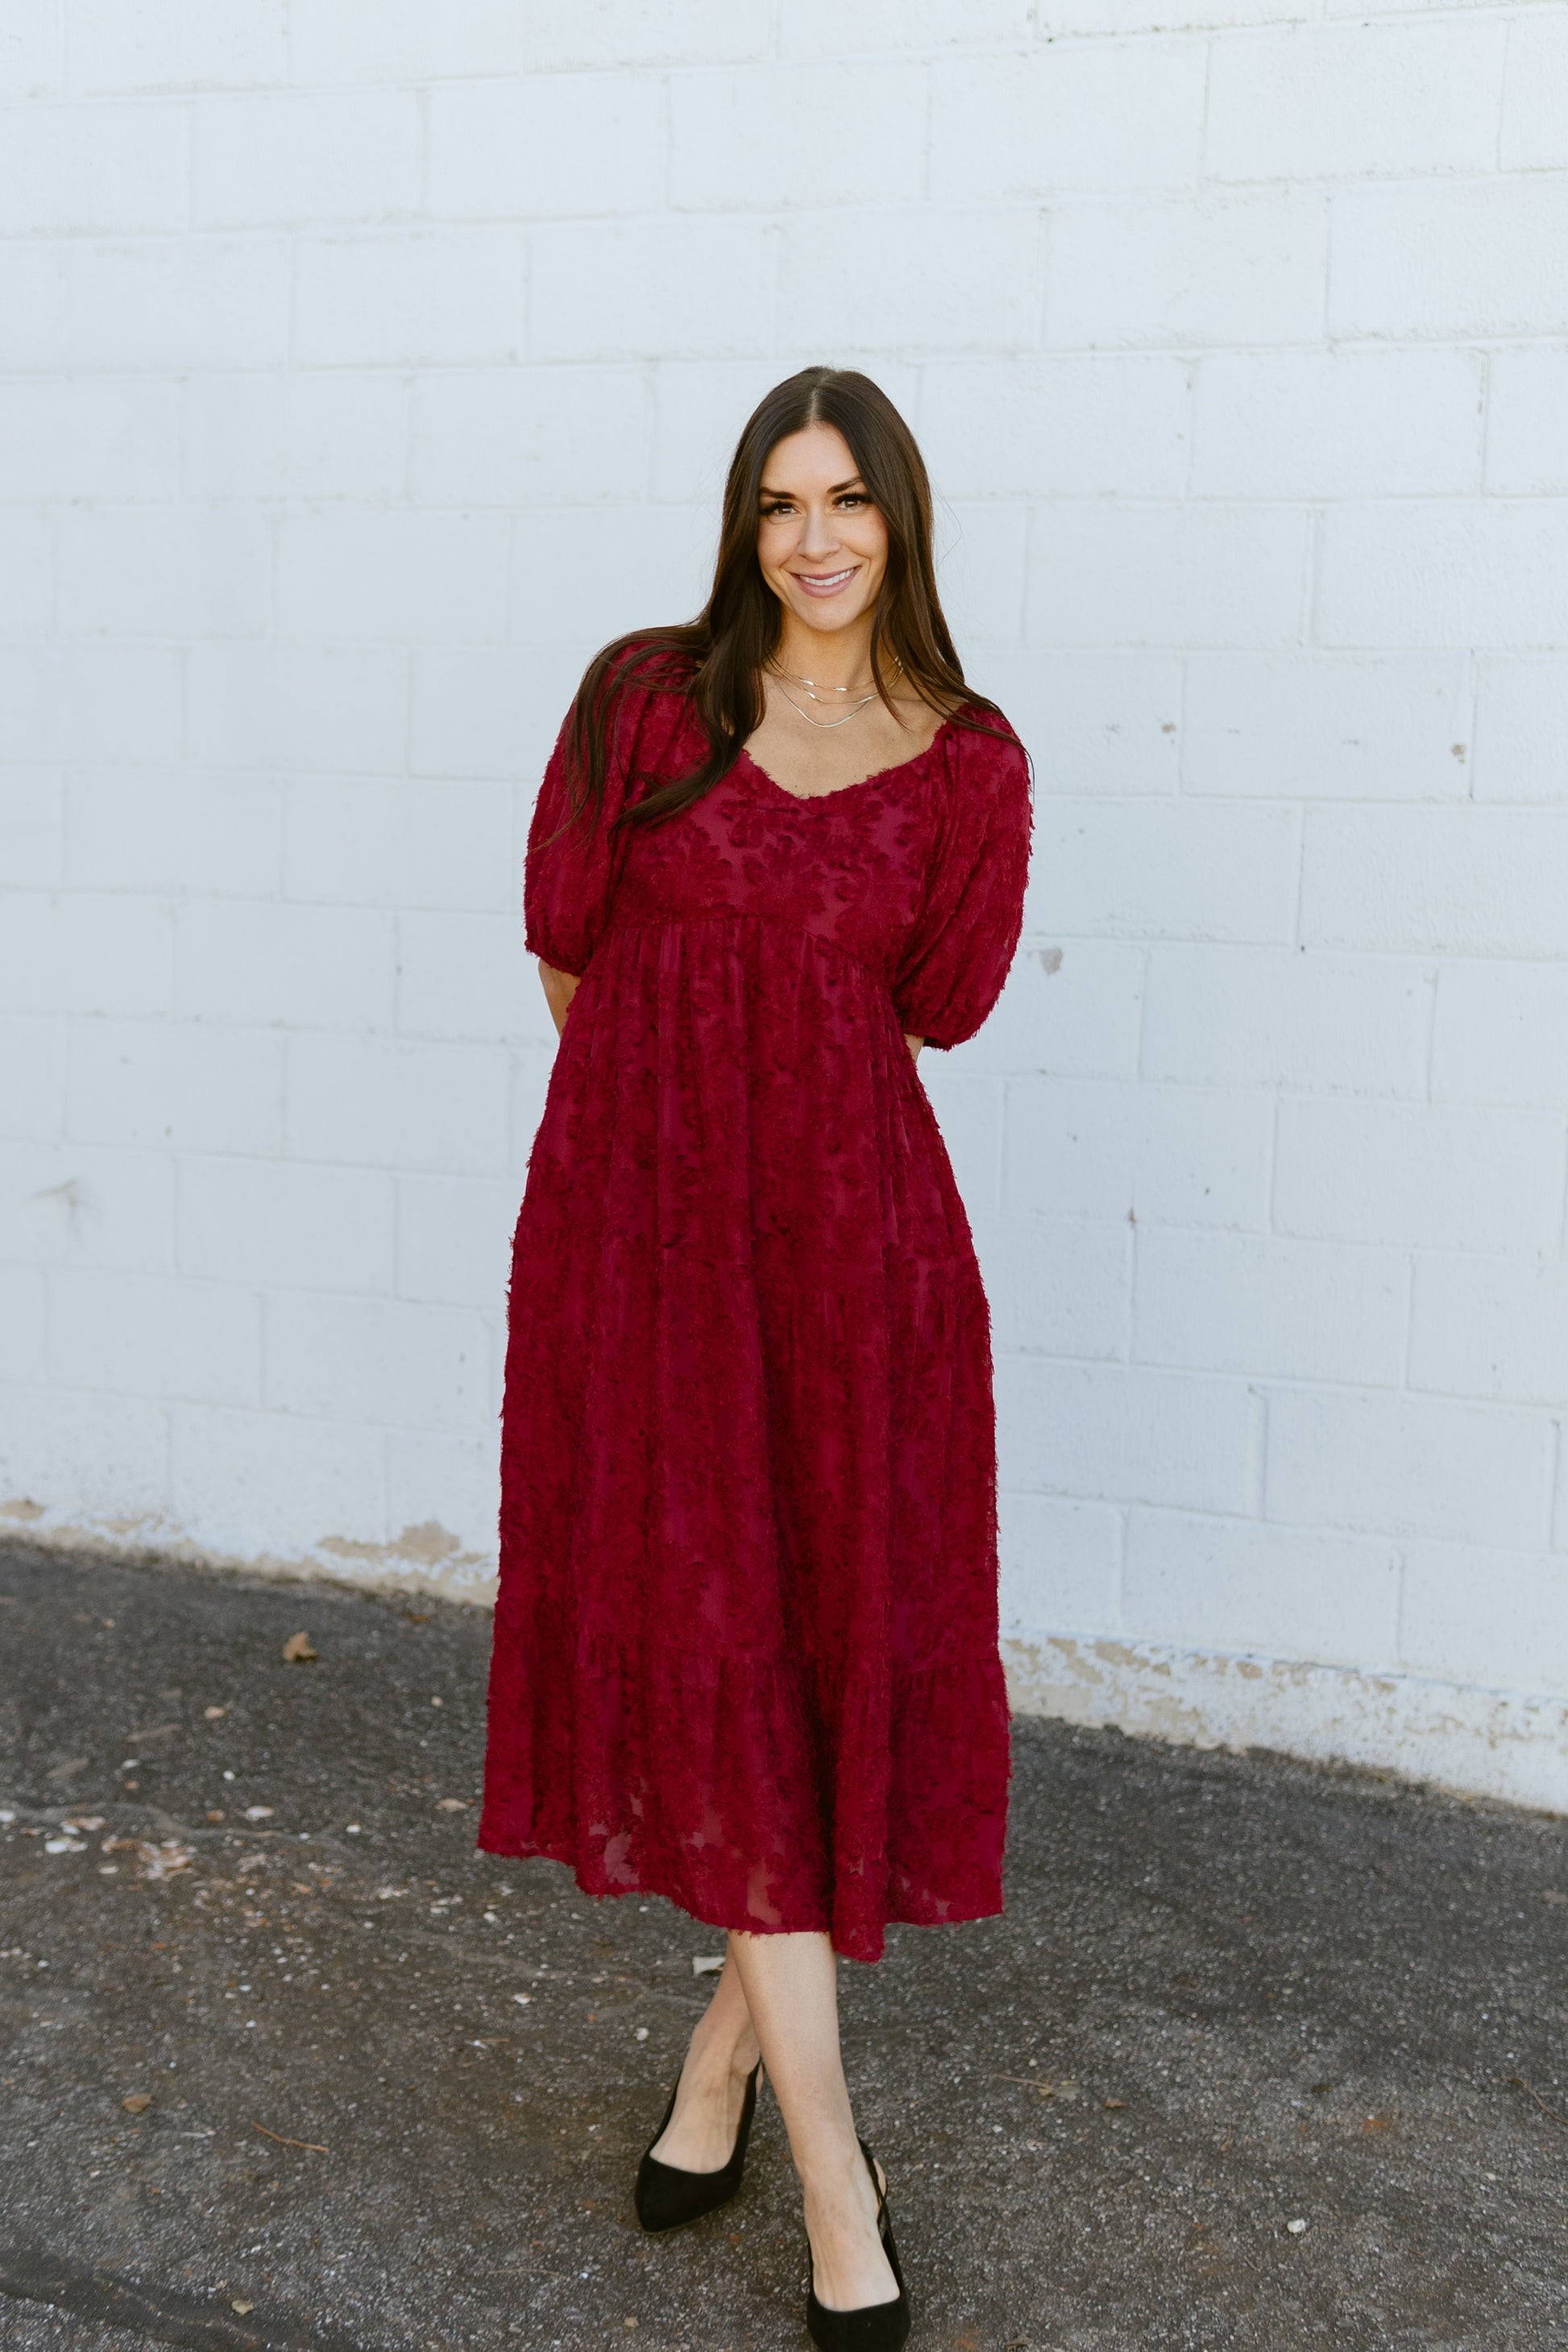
x=716, y=659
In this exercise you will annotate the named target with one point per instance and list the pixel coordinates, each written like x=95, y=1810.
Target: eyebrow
x=856, y=482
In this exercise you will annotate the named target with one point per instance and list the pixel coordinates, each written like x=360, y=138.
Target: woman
x=746, y=1638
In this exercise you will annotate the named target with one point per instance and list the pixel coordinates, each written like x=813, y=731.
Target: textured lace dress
x=746, y=1635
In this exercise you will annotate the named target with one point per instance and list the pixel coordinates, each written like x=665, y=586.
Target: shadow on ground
x=287, y=2063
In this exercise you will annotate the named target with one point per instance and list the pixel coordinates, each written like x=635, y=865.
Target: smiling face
x=821, y=543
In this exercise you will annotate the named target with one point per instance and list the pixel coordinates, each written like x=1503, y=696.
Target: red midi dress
x=745, y=1649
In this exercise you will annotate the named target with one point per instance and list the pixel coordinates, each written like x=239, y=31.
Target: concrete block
x=1058, y=1286
x=95, y=1457
x=174, y=1085
x=122, y=169
x=1190, y=270
x=287, y=435
x=1237, y=1584
x=1104, y=575
x=176, y=832
x=462, y=976
x=945, y=280
x=86, y=702
x=1485, y=257
x=1521, y=728
x=700, y=407
x=545, y=146
x=245, y=1483
x=1355, y=102
x=325, y=708
x=281, y=1227
x=828, y=28
x=425, y=1367
x=1500, y=1033
x=142, y=45
x=1534, y=134
x=562, y=33
x=1527, y=397
x=313, y=157
x=377, y=41
x=1060, y=1565
x=1320, y=725
x=32, y=829
x=24, y=1322
x=1477, y=881
x=982, y=563
x=1276, y=1017
x=153, y=1336
x=1079, y=117
x=1164, y=869
x=1425, y=1175
x=969, y=1113
x=1437, y=573
x=32, y=1101
x=32, y=48
x=84, y=952
x=1504, y=1614
x=1491, y=1327
x=778, y=136
x=582, y=576
x=254, y=961
x=529, y=436
x=444, y=1498
x=176, y=303
x=1068, y=1012
x=1106, y=1431
x=479, y=710
x=400, y=845
x=69, y=1204
x=454, y=1239
x=1093, y=723
x=392, y=574
x=1407, y=1466
x=1056, y=428
x=1265, y=1305
x=405, y=298
x=64, y=440
x=1321, y=425
x=383, y=1103
x=642, y=273
x=26, y=573
x=1149, y=16
x=34, y=301
x=1147, y=1154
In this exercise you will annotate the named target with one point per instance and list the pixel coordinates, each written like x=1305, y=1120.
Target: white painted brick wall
x=363, y=365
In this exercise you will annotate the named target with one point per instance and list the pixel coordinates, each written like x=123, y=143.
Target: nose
x=818, y=538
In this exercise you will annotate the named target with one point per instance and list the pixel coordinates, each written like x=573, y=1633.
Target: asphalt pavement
x=1261, y=2056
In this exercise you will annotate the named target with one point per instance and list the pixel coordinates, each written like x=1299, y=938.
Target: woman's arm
x=560, y=988
x=914, y=1045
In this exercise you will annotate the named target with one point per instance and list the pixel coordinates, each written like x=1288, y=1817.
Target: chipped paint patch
x=1506, y=1743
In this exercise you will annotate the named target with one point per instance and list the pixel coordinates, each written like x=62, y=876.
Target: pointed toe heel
x=874, y=2326
x=667, y=2196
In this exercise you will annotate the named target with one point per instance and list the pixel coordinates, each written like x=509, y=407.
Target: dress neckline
x=877, y=775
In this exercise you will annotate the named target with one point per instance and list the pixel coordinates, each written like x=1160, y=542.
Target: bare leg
x=700, y=2135
x=791, y=1984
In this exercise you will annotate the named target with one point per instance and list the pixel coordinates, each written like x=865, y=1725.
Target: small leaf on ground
x=297, y=1650
x=451, y=1804
x=259, y=1813
x=213, y=1713
x=707, y=1965
x=236, y=2305
x=138, y=2102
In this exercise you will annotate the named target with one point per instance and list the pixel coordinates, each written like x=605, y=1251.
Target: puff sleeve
x=568, y=875
x=959, y=946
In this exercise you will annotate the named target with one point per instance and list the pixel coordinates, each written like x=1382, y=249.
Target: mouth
x=825, y=583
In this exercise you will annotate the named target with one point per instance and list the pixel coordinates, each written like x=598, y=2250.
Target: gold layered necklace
x=827, y=695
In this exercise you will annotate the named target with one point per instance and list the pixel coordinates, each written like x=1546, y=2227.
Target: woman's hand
x=560, y=988
x=914, y=1045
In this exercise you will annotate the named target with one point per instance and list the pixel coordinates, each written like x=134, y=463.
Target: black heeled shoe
x=667, y=2196
x=873, y=2326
